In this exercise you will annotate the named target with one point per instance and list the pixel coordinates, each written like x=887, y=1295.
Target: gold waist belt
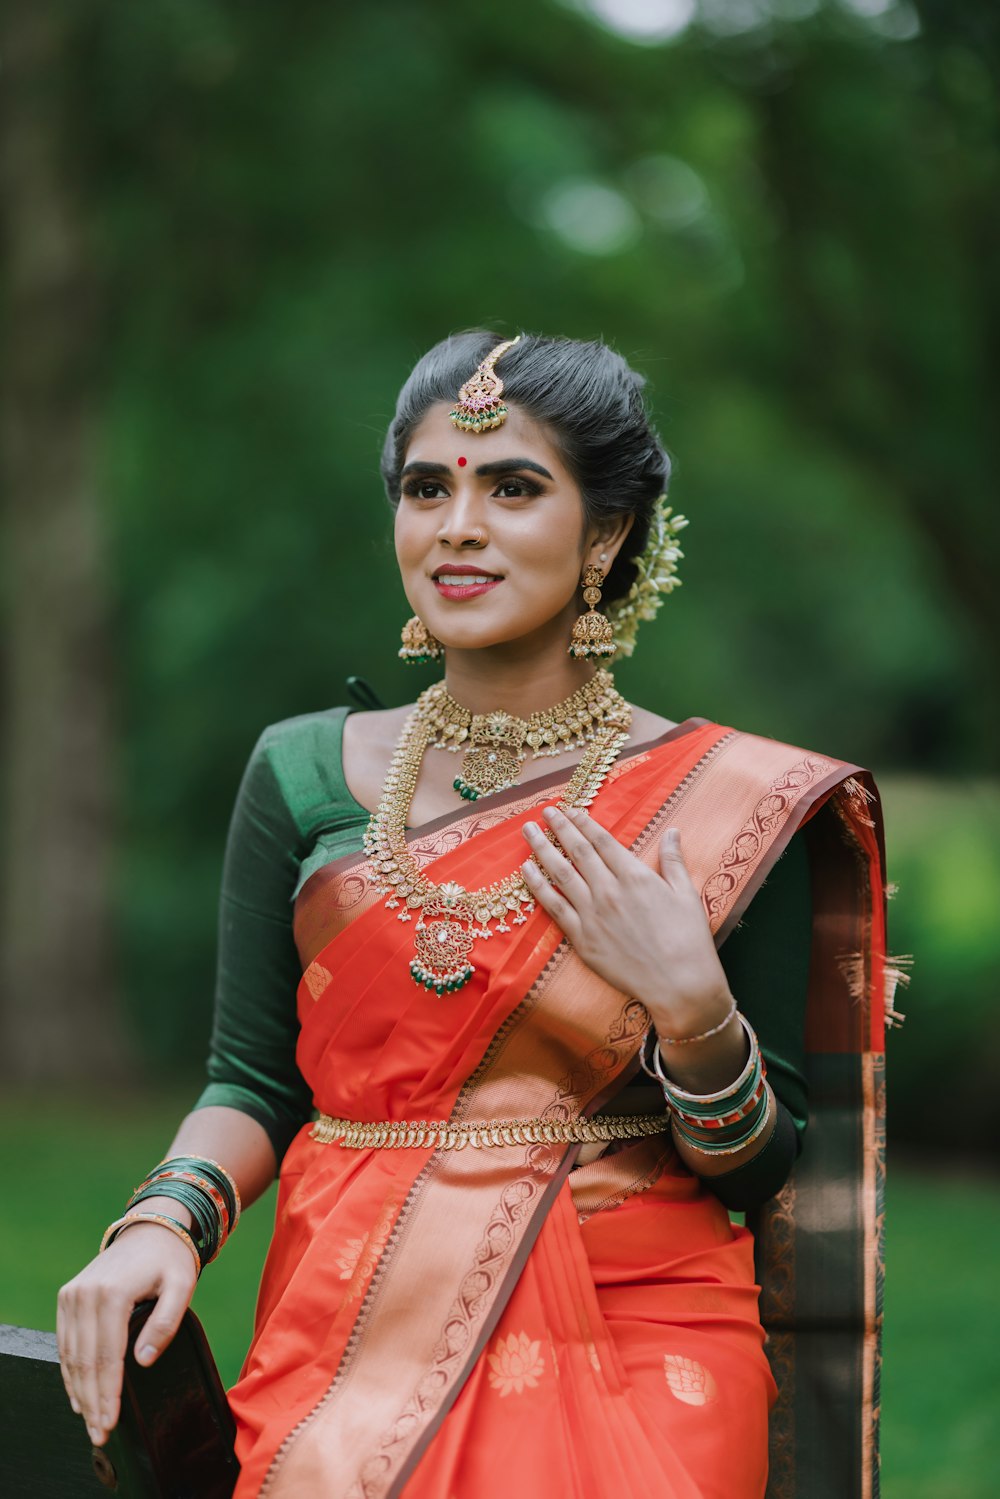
x=443, y=1135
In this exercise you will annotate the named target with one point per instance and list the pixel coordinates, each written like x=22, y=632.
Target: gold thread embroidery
x=516, y=1364
x=760, y=827
x=689, y=1381
x=445, y=1135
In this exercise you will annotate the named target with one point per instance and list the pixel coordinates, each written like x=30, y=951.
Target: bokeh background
x=228, y=231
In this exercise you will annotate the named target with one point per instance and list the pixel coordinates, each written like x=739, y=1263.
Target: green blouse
x=294, y=814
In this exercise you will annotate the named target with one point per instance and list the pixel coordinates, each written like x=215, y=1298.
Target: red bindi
x=462, y=462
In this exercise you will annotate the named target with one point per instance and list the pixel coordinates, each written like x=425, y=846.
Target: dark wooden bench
x=174, y=1439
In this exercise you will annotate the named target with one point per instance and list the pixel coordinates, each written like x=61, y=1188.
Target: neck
x=506, y=679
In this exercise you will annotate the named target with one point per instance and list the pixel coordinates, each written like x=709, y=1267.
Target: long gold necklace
x=497, y=744
x=449, y=918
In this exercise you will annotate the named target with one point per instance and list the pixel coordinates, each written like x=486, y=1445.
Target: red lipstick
x=450, y=580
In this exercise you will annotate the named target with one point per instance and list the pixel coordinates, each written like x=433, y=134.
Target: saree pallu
x=443, y=1323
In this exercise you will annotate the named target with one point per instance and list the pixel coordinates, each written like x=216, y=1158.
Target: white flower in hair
x=656, y=575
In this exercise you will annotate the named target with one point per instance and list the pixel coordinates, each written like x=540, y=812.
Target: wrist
x=683, y=1024
x=170, y=1207
x=707, y=1066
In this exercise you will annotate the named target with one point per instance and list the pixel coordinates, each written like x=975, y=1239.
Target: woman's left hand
x=643, y=931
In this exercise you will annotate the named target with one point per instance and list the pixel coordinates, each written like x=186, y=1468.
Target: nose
x=462, y=524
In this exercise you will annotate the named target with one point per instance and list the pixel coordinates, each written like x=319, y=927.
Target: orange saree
x=441, y=1323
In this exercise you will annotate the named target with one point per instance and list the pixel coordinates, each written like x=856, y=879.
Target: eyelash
x=412, y=488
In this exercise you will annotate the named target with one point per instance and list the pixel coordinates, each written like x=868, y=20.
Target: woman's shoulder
x=647, y=725
x=303, y=731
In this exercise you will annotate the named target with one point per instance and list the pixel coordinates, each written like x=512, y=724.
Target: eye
x=516, y=489
x=424, y=489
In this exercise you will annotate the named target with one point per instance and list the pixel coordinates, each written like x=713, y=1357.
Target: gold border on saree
x=442, y=1134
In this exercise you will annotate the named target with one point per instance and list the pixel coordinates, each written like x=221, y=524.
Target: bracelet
x=715, y=1121
x=703, y=1035
x=205, y=1166
x=732, y=1146
x=206, y=1225
x=724, y=1095
x=723, y=1122
x=206, y=1189
x=113, y=1230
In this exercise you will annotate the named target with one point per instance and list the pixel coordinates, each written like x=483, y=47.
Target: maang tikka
x=479, y=407
x=592, y=632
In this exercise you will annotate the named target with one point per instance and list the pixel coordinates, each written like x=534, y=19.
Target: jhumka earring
x=419, y=645
x=592, y=633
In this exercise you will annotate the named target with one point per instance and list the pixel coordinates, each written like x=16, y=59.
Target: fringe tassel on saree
x=448, y=1324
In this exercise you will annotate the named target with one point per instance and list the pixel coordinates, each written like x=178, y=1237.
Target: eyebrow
x=484, y=471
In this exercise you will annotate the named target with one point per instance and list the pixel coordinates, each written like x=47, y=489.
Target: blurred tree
x=782, y=215
x=58, y=1016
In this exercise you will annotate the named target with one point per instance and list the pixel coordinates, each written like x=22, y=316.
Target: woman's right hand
x=146, y=1262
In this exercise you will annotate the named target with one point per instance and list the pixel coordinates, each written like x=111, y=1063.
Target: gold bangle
x=703, y=1035
x=113, y=1230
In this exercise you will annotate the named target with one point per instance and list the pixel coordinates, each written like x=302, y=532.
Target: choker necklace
x=449, y=918
x=497, y=744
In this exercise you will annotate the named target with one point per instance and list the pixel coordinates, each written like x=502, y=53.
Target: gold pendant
x=442, y=961
x=487, y=769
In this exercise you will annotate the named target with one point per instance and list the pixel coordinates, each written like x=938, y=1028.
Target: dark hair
x=589, y=399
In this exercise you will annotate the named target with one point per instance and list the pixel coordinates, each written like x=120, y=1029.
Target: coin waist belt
x=443, y=1135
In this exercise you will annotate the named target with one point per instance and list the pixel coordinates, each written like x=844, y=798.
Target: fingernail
x=529, y=868
x=551, y=812
x=95, y=1434
x=76, y=1406
x=146, y=1352
x=531, y=829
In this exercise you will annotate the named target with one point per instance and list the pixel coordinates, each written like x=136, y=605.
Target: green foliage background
x=778, y=215
x=785, y=215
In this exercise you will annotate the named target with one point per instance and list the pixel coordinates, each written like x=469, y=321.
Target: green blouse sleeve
x=766, y=960
x=292, y=796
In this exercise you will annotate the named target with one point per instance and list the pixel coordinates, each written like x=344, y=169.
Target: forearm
x=233, y=1139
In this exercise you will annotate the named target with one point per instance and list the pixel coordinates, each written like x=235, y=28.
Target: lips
x=456, y=581
x=463, y=569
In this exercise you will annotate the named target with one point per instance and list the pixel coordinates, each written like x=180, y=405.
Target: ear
x=607, y=539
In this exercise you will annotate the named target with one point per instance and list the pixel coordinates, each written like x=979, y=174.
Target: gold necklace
x=449, y=918
x=497, y=744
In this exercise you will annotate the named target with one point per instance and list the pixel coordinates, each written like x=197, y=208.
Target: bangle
x=724, y=1095
x=723, y=1122
x=113, y=1230
x=205, y=1166
x=208, y=1192
x=733, y=1145
x=702, y=1035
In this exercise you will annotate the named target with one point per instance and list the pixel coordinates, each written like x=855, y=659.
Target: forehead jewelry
x=479, y=407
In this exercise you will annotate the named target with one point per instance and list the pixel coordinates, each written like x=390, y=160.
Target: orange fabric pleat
x=628, y=1356
x=628, y=1360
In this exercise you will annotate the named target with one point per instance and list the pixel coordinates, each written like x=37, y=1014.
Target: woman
x=502, y=1255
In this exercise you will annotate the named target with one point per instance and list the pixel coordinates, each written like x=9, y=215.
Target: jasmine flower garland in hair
x=656, y=575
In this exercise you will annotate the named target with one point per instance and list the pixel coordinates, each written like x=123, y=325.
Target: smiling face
x=491, y=549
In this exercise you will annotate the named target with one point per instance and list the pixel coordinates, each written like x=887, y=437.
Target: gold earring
x=592, y=633
x=419, y=645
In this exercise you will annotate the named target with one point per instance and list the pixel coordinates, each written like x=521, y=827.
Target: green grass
x=65, y=1168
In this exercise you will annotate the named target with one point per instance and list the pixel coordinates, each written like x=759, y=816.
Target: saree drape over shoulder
x=447, y=1323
